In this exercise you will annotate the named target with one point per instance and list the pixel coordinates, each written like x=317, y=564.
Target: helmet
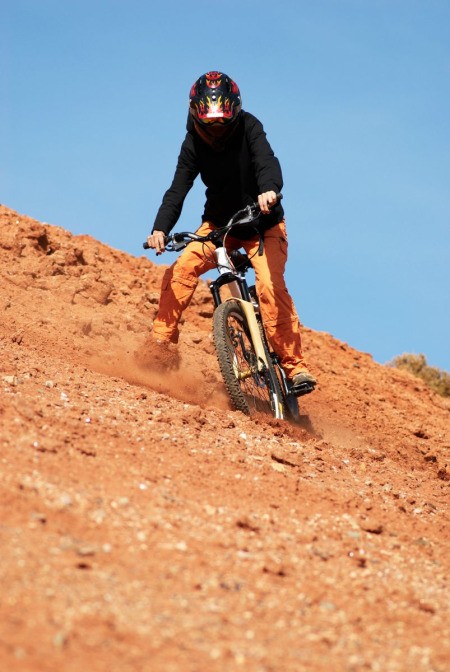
x=215, y=99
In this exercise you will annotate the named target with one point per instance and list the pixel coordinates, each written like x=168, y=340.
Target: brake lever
x=177, y=246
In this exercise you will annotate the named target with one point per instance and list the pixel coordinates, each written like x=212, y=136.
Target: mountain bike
x=252, y=373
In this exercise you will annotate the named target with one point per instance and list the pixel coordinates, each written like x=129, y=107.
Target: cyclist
x=228, y=148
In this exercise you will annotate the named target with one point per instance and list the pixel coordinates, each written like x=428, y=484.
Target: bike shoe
x=303, y=383
x=303, y=377
x=158, y=355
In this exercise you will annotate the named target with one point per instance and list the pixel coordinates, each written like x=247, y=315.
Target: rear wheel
x=291, y=405
x=251, y=387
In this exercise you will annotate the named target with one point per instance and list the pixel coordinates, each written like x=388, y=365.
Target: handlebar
x=178, y=241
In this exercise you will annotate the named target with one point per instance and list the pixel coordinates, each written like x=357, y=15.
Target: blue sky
x=354, y=96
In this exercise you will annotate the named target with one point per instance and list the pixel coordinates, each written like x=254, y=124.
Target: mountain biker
x=228, y=148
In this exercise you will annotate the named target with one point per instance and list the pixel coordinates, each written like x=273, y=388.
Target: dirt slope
x=146, y=526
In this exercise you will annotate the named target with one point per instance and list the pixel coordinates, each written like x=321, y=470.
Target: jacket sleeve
x=266, y=165
x=185, y=174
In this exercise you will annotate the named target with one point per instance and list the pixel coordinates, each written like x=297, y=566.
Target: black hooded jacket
x=234, y=176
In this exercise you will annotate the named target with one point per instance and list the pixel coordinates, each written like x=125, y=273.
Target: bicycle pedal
x=302, y=388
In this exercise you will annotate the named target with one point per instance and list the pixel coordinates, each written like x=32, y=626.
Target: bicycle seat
x=240, y=261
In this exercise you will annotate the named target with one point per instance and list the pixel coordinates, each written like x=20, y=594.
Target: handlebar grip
x=167, y=239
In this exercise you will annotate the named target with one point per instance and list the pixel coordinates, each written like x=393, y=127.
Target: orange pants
x=277, y=308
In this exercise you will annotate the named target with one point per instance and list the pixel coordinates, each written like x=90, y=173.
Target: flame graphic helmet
x=215, y=99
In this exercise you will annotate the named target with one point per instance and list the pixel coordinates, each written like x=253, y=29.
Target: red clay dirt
x=145, y=526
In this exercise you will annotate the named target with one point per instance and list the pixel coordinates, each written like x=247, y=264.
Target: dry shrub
x=435, y=378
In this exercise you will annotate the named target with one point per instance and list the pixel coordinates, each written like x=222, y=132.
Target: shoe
x=165, y=356
x=158, y=355
x=302, y=383
x=303, y=377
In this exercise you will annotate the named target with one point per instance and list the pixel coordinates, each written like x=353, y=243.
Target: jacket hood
x=190, y=123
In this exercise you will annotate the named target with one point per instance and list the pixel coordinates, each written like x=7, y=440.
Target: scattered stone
x=372, y=526
x=98, y=516
x=65, y=501
x=283, y=461
x=421, y=433
x=60, y=640
x=86, y=550
x=327, y=606
x=427, y=608
x=320, y=553
x=246, y=524
x=11, y=380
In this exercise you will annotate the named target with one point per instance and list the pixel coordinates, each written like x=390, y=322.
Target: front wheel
x=251, y=384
